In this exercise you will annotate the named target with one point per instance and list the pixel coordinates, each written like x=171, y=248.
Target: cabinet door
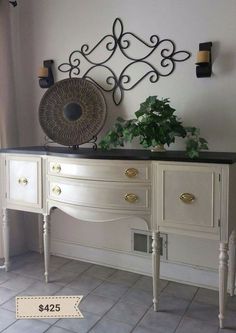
x=24, y=181
x=188, y=196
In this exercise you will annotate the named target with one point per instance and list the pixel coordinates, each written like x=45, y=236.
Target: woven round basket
x=72, y=111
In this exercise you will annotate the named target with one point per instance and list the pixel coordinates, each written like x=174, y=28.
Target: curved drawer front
x=103, y=195
x=115, y=170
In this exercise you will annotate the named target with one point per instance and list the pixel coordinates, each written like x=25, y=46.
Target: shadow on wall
x=226, y=61
x=113, y=112
x=24, y=38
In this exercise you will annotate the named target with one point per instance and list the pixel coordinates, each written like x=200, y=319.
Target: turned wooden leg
x=223, y=276
x=46, y=244
x=6, y=234
x=40, y=232
x=156, y=251
x=232, y=262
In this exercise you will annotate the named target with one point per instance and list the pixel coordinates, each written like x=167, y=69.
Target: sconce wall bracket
x=204, y=68
x=13, y=3
x=46, y=82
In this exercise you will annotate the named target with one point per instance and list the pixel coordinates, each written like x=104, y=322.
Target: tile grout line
x=15, y=322
x=182, y=317
x=87, y=294
x=36, y=280
x=69, y=331
x=17, y=294
x=9, y=325
x=66, y=285
x=117, y=301
x=14, y=311
x=140, y=319
x=102, y=281
x=148, y=309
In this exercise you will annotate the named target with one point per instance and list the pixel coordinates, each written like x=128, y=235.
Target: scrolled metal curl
x=121, y=40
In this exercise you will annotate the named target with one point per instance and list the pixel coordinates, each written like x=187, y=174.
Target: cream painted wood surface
x=125, y=171
x=232, y=263
x=100, y=194
x=188, y=197
x=223, y=277
x=193, y=198
x=6, y=236
x=46, y=241
x=24, y=181
x=90, y=214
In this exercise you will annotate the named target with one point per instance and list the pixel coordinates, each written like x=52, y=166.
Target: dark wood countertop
x=125, y=154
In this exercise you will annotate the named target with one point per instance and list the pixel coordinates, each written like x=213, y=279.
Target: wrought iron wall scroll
x=120, y=40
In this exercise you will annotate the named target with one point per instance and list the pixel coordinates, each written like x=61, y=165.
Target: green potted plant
x=156, y=125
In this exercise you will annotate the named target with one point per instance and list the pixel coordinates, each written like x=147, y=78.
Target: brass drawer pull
x=56, y=168
x=56, y=190
x=131, y=172
x=131, y=197
x=23, y=181
x=187, y=198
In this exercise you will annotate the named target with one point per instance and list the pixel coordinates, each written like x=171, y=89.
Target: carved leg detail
x=40, y=231
x=6, y=234
x=223, y=276
x=156, y=250
x=46, y=243
x=232, y=262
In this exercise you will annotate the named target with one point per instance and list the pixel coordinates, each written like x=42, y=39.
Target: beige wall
x=51, y=29
x=9, y=135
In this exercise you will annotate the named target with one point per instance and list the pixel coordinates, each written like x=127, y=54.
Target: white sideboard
x=168, y=191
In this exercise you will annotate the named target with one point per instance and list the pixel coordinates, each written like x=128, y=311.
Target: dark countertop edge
x=125, y=154
x=148, y=158
x=22, y=151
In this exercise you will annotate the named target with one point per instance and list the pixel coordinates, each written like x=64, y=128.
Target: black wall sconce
x=45, y=74
x=204, y=64
x=13, y=3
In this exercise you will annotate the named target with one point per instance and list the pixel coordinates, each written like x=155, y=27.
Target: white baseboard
x=133, y=262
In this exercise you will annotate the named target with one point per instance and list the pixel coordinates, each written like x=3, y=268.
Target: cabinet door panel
x=24, y=181
x=189, y=196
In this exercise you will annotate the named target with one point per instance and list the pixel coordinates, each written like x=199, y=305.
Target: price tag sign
x=28, y=307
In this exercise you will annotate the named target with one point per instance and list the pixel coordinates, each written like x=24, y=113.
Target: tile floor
x=114, y=301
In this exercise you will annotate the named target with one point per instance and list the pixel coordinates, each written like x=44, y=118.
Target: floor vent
x=142, y=242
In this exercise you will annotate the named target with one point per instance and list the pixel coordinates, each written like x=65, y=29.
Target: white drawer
x=100, y=194
x=24, y=181
x=188, y=196
x=111, y=170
